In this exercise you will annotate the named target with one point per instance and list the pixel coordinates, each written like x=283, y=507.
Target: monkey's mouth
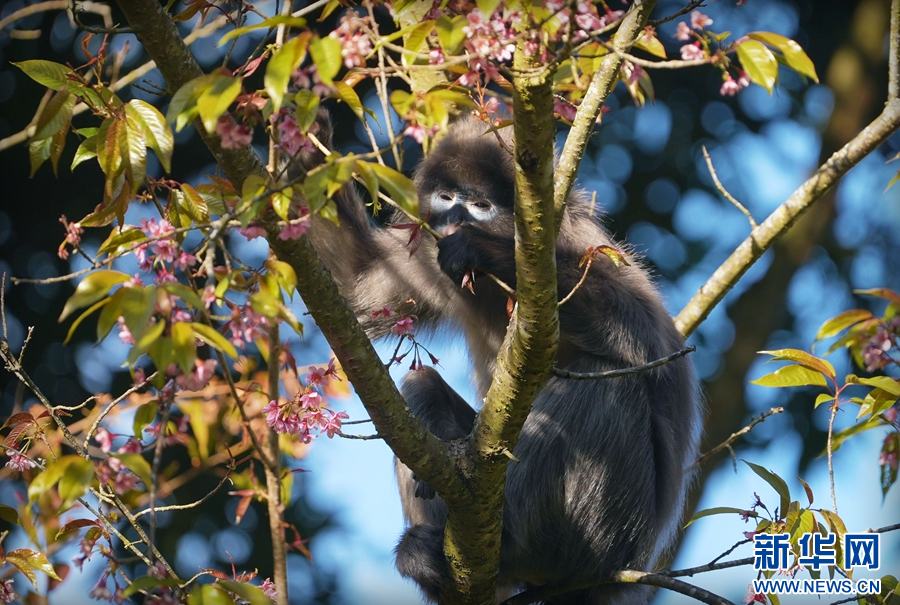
x=445, y=230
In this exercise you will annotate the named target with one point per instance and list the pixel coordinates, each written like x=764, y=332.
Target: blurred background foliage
x=647, y=168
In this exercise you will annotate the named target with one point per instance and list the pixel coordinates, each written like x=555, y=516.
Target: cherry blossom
x=18, y=462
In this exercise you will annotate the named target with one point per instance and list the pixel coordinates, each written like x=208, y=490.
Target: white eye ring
x=442, y=201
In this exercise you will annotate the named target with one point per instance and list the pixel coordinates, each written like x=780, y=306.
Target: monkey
x=598, y=481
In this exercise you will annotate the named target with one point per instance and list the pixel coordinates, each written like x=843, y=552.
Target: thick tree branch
x=777, y=224
x=422, y=452
x=602, y=84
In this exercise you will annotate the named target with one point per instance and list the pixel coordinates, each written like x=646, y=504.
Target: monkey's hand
x=423, y=490
x=476, y=250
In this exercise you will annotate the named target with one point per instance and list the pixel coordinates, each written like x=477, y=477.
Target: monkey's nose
x=449, y=229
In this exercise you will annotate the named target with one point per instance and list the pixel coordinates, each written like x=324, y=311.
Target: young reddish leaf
x=76, y=525
x=794, y=56
x=326, y=54
x=280, y=67
x=791, y=376
x=759, y=63
x=19, y=418
x=777, y=484
x=50, y=74
x=841, y=322
x=14, y=434
x=804, y=359
x=28, y=561
x=809, y=492
x=884, y=293
x=92, y=288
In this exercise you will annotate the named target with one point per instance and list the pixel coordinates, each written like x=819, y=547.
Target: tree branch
x=602, y=84
x=777, y=224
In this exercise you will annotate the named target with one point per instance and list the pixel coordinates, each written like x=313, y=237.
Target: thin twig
x=587, y=267
x=113, y=404
x=682, y=11
x=738, y=434
x=195, y=504
x=623, y=371
x=691, y=571
x=724, y=192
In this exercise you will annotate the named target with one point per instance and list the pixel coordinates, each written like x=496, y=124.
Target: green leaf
x=271, y=22
x=134, y=151
x=86, y=150
x=326, y=54
x=876, y=402
x=75, y=482
x=652, y=46
x=487, y=7
x=147, y=583
x=400, y=187
x=137, y=307
x=246, y=591
x=183, y=292
x=156, y=132
x=885, y=383
x=777, y=484
x=823, y=398
x=418, y=34
x=791, y=376
x=856, y=429
x=208, y=594
x=27, y=560
x=138, y=465
x=184, y=346
x=284, y=273
x=119, y=237
x=841, y=322
x=884, y=293
x=38, y=153
x=183, y=106
x=92, y=288
x=369, y=178
x=803, y=358
x=280, y=67
x=193, y=204
x=45, y=481
x=450, y=33
x=759, y=63
x=346, y=94
x=81, y=318
x=9, y=514
x=265, y=304
x=144, y=415
x=794, y=56
x=281, y=202
x=806, y=523
x=56, y=115
x=216, y=98
x=721, y=510
x=214, y=339
x=307, y=105
x=50, y=74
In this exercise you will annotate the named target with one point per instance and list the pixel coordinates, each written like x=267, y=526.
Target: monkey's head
x=468, y=179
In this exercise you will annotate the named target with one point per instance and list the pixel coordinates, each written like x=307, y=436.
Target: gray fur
x=601, y=482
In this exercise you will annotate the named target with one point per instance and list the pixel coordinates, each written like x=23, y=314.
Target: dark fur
x=600, y=483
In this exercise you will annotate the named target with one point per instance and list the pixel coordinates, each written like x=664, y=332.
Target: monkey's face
x=453, y=207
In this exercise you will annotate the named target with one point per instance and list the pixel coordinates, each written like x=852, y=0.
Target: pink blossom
x=729, y=87
x=564, y=109
x=333, y=425
x=7, y=594
x=208, y=296
x=699, y=20
x=292, y=139
x=692, y=52
x=318, y=376
x=743, y=79
x=164, y=276
x=403, y=326
x=85, y=550
x=891, y=415
x=311, y=400
x=124, y=481
x=385, y=312
x=18, y=462
x=104, y=438
x=293, y=230
x=132, y=446
x=416, y=131
x=435, y=56
x=683, y=32
x=268, y=587
x=199, y=377
x=233, y=135
x=165, y=598
x=185, y=260
x=753, y=596
x=888, y=459
x=252, y=231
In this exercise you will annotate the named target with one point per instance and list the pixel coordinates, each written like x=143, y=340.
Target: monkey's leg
x=420, y=553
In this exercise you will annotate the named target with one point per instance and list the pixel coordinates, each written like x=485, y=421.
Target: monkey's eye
x=482, y=205
x=446, y=196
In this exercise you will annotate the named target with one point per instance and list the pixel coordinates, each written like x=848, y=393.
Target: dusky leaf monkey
x=600, y=479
